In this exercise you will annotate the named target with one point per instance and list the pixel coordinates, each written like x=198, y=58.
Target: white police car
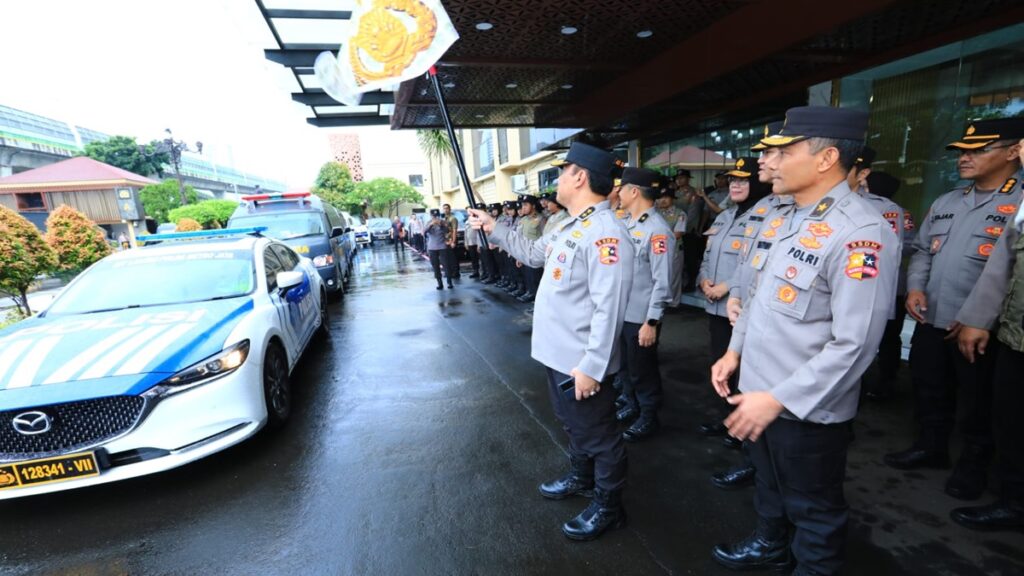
x=153, y=358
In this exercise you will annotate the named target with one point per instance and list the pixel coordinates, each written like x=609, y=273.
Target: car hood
x=48, y=360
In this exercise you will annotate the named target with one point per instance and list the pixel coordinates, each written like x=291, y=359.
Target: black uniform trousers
x=474, y=258
x=592, y=429
x=485, y=262
x=693, y=253
x=439, y=257
x=890, y=349
x=799, y=481
x=720, y=331
x=643, y=380
x=1009, y=395
x=942, y=379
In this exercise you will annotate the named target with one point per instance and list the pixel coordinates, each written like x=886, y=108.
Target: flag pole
x=456, y=149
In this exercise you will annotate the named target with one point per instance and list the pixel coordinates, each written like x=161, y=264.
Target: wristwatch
x=652, y=322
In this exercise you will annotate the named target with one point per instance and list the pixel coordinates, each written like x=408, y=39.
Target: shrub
x=23, y=256
x=188, y=225
x=75, y=239
x=211, y=214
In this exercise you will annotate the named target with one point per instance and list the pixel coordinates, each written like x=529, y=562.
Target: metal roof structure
x=632, y=68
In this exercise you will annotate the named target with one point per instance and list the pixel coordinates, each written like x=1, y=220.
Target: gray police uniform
x=743, y=276
x=577, y=320
x=954, y=242
x=436, y=239
x=997, y=303
x=553, y=220
x=654, y=247
x=818, y=306
x=677, y=221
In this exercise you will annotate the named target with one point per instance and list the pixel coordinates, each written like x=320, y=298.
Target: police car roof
x=303, y=204
x=191, y=246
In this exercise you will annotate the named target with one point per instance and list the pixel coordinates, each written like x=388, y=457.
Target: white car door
x=303, y=303
x=292, y=338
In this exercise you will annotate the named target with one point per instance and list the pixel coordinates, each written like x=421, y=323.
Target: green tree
x=385, y=195
x=123, y=152
x=159, y=199
x=76, y=240
x=23, y=256
x=210, y=213
x=335, y=186
x=435, y=144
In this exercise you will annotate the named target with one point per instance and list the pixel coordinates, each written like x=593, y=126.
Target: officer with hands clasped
x=578, y=316
x=807, y=332
x=654, y=247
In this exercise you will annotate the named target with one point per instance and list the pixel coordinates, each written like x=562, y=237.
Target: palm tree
x=435, y=144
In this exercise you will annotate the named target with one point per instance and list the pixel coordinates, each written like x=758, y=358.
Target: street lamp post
x=174, y=148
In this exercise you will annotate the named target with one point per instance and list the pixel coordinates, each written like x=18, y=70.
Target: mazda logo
x=31, y=423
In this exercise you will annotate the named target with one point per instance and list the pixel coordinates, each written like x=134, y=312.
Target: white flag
x=387, y=42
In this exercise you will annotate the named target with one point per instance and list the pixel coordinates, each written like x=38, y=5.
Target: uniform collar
x=599, y=207
x=826, y=204
x=1008, y=187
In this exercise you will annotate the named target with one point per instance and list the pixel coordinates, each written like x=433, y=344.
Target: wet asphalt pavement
x=421, y=431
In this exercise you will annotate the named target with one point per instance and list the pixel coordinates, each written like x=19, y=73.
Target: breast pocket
x=558, y=268
x=938, y=234
x=733, y=243
x=792, y=288
x=980, y=247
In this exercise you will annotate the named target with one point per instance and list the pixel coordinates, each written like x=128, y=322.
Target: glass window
x=283, y=226
x=158, y=279
x=502, y=145
x=30, y=202
x=289, y=259
x=273, y=266
x=416, y=180
x=547, y=180
x=483, y=151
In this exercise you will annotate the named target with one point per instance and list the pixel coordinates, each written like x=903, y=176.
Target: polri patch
x=820, y=229
x=608, y=250
x=659, y=243
x=787, y=294
x=1007, y=209
x=986, y=249
x=862, y=265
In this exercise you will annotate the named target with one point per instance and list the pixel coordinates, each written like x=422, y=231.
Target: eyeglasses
x=737, y=180
x=985, y=150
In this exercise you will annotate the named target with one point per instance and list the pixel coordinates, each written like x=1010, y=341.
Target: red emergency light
x=275, y=196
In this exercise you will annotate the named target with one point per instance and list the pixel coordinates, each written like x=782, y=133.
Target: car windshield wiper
x=114, y=309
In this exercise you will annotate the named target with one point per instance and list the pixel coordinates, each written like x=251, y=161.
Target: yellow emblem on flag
x=387, y=42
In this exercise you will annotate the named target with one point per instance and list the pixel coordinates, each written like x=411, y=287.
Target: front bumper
x=331, y=277
x=177, y=430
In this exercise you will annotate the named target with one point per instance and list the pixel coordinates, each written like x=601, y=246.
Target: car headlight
x=220, y=364
x=324, y=260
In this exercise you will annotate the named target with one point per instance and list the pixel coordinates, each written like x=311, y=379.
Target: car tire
x=324, y=331
x=277, y=390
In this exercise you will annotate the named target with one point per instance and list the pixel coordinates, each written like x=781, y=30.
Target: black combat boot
x=578, y=482
x=734, y=479
x=970, y=476
x=604, y=512
x=766, y=549
x=1002, y=515
x=931, y=450
x=644, y=427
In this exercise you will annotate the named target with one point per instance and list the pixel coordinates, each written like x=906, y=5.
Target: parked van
x=312, y=227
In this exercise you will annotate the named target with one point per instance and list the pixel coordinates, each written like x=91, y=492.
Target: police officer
x=721, y=258
x=489, y=253
x=954, y=241
x=997, y=304
x=578, y=318
x=452, y=240
x=556, y=213
x=531, y=224
x=508, y=218
x=437, y=235
x=808, y=331
x=472, y=243
x=654, y=249
x=677, y=220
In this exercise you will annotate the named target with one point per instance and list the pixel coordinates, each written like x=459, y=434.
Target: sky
x=136, y=67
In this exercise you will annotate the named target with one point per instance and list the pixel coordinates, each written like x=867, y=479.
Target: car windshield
x=283, y=226
x=158, y=279
x=378, y=223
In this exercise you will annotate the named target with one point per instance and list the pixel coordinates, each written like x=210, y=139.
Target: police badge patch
x=608, y=250
x=659, y=243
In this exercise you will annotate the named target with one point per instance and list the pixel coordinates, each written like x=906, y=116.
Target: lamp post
x=174, y=148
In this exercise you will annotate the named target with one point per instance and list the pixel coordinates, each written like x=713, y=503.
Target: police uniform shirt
x=553, y=221
x=530, y=226
x=722, y=255
x=818, y=307
x=581, y=302
x=437, y=235
x=753, y=238
x=654, y=250
x=902, y=225
x=954, y=242
x=453, y=225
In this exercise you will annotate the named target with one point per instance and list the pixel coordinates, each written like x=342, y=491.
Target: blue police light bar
x=254, y=230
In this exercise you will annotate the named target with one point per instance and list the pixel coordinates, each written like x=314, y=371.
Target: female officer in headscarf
x=724, y=246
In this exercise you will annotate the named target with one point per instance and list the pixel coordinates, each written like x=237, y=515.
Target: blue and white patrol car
x=153, y=358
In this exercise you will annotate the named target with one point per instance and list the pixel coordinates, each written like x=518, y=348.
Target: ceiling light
x=644, y=34
x=566, y=86
x=569, y=30
x=484, y=26
x=449, y=85
x=479, y=115
x=511, y=85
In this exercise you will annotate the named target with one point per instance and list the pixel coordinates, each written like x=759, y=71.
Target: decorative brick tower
x=345, y=149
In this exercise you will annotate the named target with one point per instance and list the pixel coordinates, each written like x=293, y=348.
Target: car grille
x=74, y=426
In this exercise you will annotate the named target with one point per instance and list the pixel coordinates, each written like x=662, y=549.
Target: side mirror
x=288, y=280
x=348, y=230
x=337, y=231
